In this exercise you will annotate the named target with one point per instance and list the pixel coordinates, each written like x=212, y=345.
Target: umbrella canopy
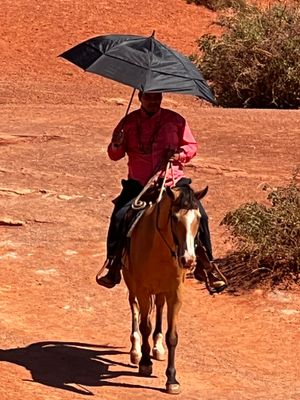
x=141, y=62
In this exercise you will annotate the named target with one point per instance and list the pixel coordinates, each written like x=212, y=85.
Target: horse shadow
x=71, y=366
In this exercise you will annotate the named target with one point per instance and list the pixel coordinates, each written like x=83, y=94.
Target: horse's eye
x=175, y=218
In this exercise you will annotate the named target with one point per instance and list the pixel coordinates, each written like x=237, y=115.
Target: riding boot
x=113, y=276
x=214, y=280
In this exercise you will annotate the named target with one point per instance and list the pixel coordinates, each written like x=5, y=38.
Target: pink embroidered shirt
x=147, y=141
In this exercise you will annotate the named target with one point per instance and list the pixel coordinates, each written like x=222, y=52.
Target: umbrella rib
x=178, y=58
x=147, y=68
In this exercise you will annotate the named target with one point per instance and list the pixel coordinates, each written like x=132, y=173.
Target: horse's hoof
x=158, y=355
x=173, y=388
x=145, y=370
x=135, y=357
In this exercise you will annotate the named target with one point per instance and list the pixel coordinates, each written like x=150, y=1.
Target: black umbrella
x=141, y=62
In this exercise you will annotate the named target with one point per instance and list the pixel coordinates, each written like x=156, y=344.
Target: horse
x=161, y=250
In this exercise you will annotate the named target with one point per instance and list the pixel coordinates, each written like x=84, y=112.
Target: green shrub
x=256, y=61
x=216, y=5
x=268, y=237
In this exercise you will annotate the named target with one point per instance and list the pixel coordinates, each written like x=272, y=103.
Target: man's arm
x=187, y=146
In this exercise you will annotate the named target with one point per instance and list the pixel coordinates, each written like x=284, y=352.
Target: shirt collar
x=154, y=116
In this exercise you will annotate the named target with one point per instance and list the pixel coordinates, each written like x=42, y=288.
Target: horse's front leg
x=174, y=304
x=158, y=350
x=135, y=351
x=145, y=365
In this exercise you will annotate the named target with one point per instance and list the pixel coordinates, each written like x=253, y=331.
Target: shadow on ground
x=71, y=366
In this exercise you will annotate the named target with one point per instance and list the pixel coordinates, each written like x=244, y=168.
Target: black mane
x=187, y=199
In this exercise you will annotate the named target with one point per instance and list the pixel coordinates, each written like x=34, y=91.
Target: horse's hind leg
x=145, y=365
x=135, y=351
x=158, y=350
x=174, y=304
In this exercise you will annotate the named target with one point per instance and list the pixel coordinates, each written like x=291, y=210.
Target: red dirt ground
x=63, y=337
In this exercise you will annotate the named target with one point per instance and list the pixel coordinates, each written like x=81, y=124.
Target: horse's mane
x=187, y=199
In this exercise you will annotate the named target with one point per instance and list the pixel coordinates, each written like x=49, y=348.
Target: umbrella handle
x=130, y=101
x=128, y=108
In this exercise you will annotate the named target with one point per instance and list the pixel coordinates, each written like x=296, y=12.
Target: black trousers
x=132, y=189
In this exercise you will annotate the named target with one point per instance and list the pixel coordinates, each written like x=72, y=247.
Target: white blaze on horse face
x=191, y=217
x=190, y=220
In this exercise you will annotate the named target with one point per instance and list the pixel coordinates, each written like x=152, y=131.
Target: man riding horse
x=151, y=136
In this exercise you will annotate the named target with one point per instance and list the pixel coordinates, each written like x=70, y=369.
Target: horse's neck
x=152, y=247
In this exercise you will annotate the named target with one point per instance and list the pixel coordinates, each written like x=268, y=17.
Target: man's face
x=151, y=102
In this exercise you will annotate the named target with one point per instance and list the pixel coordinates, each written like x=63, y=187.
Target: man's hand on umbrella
x=117, y=138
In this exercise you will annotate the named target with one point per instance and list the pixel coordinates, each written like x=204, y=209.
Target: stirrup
x=215, y=285
x=106, y=282
x=113, y=276
x=106, y=264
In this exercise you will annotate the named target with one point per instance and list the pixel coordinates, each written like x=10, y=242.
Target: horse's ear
x=199, y=195
x=170, y=193
x=173, y=192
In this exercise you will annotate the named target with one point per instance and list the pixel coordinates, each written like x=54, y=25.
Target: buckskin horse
x=160, y=252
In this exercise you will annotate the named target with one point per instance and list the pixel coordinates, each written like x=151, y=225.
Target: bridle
x=160, y=231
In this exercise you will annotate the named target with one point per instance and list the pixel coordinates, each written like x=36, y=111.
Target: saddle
x=134, y=213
